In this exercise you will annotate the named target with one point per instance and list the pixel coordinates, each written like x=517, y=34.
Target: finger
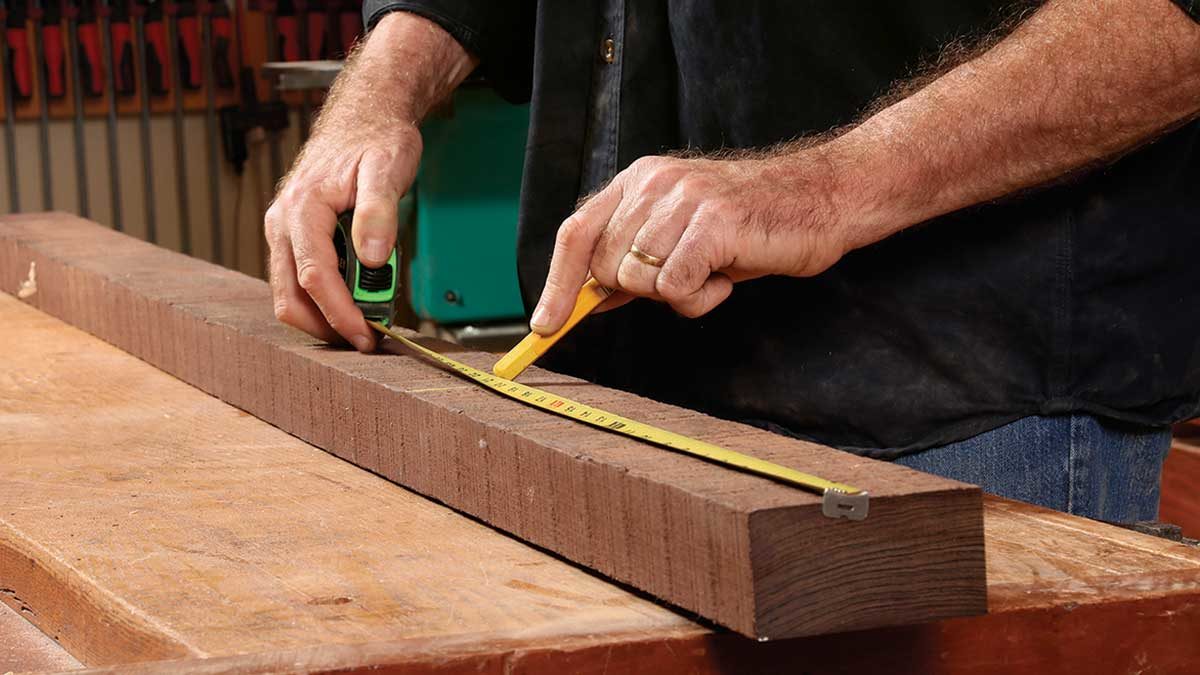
x=715, y=290
x=317, y=273
x=617, y=235
x=569, y=267
x=658, y=238
x=689, y=281
x=374, y=227
x=292, y=304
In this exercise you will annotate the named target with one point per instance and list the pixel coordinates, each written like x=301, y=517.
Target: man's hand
x=1079, y=82
x=700, y=225
x=362, y=155
x=336, y=171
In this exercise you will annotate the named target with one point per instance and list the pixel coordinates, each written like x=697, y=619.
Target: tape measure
x=373, y=289
x=838, y=499
x=374, y=292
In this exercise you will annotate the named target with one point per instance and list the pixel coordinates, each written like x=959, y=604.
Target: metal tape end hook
x=837, y=503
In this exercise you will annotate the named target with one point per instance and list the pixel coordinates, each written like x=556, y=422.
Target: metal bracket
x=850, y=505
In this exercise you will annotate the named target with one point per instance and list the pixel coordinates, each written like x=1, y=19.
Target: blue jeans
x=1073, y=463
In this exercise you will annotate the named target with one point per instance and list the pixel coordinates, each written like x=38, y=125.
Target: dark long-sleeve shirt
x=1081, y=297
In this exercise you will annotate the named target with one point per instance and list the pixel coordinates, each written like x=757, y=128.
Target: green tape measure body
x=839, y=500
x=373, y=289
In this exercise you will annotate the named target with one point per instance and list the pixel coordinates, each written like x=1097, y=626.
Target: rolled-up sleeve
x=499, y=32
x=1192, y=7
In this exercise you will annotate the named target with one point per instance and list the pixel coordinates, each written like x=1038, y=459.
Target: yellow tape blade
x=849, y=501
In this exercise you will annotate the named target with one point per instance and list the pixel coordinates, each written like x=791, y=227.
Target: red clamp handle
x=222, y=50
x=54, y=50
x=316, y=22
x=156, y=58
x=349, y=27
x=91, y=64
x=189, y=52
x=289, y=37
x=19, y=64
x=123, y=64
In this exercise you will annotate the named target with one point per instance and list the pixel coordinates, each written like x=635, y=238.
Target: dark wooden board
x=141, y=519
x=144, y=521
x=750, y=554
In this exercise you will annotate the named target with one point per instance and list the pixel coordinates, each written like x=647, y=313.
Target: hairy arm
x=363, y=154
x=1078, y=82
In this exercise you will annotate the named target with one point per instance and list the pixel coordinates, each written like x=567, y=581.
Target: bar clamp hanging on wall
x=19, y=78
x=238, y=122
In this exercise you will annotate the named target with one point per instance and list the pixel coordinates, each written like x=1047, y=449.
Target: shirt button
x=609, y=50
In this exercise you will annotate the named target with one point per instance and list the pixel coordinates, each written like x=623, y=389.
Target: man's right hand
x=362, y=155
x=338, y=169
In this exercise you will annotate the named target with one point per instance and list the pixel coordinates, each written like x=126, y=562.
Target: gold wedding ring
x=652, y=260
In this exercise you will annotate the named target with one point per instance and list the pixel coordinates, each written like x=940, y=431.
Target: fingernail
x=361, y=342
x=539, y=318
x=374, y=250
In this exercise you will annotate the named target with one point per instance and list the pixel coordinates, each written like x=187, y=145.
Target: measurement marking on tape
x=839, y=500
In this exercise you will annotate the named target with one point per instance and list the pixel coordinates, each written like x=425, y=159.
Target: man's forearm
x=362, y=155
x=405, y=67
x=1080, y=81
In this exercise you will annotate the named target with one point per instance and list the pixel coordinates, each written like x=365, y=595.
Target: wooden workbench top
x=142, y=520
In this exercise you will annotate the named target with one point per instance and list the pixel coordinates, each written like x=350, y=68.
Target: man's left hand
x=683, y=231
x=1020, y=113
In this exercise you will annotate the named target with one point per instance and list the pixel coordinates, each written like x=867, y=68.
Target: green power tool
x=373, y=290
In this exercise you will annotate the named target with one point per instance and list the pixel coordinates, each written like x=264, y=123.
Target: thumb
x=374, y=226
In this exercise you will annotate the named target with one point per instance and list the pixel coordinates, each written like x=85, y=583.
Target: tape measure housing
x=373, y=289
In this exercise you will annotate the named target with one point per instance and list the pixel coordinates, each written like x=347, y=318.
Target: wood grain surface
x=1180, y=501
x=142, y=520
x=748, y=553
x=24, y=647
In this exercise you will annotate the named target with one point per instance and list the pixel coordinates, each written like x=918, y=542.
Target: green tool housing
x=373, y=289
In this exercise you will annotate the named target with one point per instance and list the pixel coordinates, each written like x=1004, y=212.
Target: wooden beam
x=142, y=519
x=24, y=648
x=1083, y=630
x=1180, y=499
x=745, y=552
x=145, y=520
